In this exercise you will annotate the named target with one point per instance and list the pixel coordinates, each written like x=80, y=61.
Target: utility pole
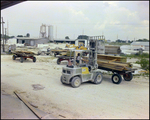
x=117, y=36
x=7, y=29
x=56, y=32
x=3, y=33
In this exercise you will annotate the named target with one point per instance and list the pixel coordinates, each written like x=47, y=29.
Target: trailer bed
x=24, y=55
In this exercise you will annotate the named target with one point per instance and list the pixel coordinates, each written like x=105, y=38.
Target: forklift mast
x=93, y=40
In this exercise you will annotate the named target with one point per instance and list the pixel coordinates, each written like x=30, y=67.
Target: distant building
x=143, y=45
x=64, y=40
x=31, y=41
x=109, y=41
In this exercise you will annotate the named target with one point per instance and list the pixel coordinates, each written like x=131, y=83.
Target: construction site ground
x=39, y=83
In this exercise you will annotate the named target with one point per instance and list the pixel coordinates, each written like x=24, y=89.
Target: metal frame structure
x=6, y=4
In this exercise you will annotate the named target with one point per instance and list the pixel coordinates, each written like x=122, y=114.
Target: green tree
x=28, y=35
x=66, y=37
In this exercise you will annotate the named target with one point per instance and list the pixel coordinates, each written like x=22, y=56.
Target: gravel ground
x=39, y=83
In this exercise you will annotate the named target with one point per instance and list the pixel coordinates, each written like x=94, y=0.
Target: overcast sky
x=127, y=19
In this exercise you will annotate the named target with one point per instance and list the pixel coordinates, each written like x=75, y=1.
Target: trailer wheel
x=128, y=76
x=76, y=82
x=14, y=57
x=98, y=78
x=116, y=78
x=58, y=61
x=61, y=80
x=34, y=59
x=21, y=59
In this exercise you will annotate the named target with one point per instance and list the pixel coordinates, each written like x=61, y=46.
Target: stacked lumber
x=110, y=57
x=112, y=62
x=24, y=53
x=113, y=65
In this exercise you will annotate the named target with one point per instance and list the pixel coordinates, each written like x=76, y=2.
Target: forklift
x=75, y=74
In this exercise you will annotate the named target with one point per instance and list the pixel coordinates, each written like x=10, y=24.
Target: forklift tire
x=76, y=82
x=58, y=61
x=14, y=57
x=61, y=80
x=21, y=59
x=128, y=76
x=98, y=78
x=34, y=59
x=116, y=78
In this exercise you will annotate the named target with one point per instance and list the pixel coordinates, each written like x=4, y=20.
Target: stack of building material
x=110, y=57
x=24, y=53
x=110, y=49
x=117, y=63
x=111, y=64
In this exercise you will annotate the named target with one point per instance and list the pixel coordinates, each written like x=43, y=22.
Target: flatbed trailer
x=117, y=65
x=63, y=57
x=118, y=69
x=24, y=55
x=58, y=52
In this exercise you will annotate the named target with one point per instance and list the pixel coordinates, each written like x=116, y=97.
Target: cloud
x=73, y=18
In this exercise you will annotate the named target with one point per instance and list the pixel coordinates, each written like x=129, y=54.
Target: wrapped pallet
x=111, y=49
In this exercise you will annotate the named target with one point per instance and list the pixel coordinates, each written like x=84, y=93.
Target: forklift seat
x=83, y=65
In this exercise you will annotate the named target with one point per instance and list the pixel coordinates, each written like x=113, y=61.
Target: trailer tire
x=14, y=57
x=21, y=59
x=116, y=78
x=58, y=61
x=128, y=76
x=98, y=79
x=34, y=59
x=76, y=82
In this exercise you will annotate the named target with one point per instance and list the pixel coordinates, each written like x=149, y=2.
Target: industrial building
x=31, y=41
x=137, y=45
x=71, y=41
